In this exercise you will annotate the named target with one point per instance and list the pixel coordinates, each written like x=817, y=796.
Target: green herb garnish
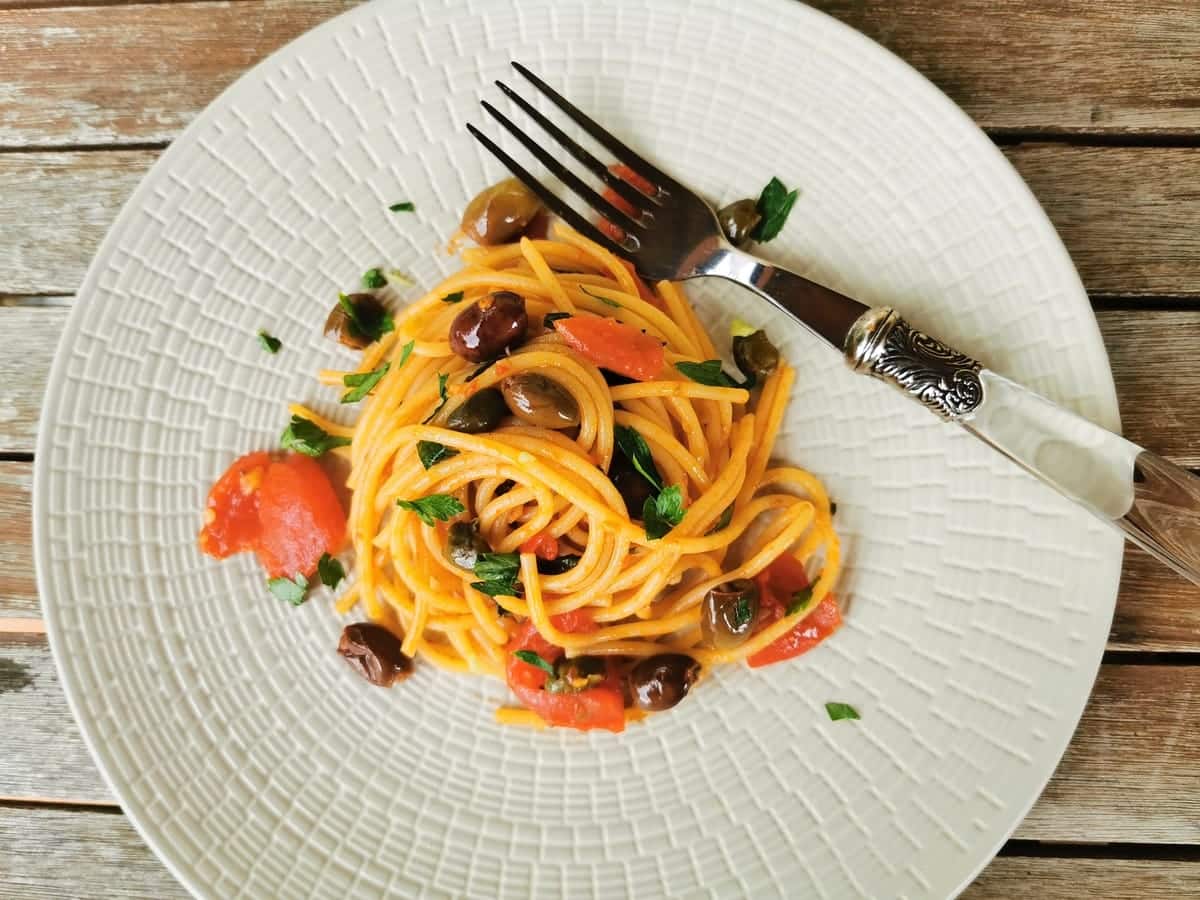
x=596, y=296
x=800, y=599
x=454, y=297
x=309, y=438
x=498, y=572
x=405, y=353
x=403, y=206
x=374, y=278
x=436, y=506
x=431, y=453
x=362, y=383
x=662, y=513
x=708, y=372
x=269, y=343
x=774, y=204
x=331, y=570
x=370, y=328
x=528, y=656
x=742, y=614
x=289, y=589
x=841, y=711
x=637, y=451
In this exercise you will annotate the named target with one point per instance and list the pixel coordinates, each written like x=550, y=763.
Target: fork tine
x=573, y=181
x=628, y=192
x=552, y=200
x=610, y=143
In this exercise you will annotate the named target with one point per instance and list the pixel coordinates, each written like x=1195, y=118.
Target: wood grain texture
x=49, y=854
x=1059, y=878
x=1072, y=66
x=18, y=587
x=133, y=74
x=23, y=371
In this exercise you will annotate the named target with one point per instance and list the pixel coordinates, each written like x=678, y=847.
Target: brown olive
x=738, y=219
x=367, y=309
x=540, y=401
x=464, y=544
x=374, y=653
x=728, y=613
x=489, y=326
x=755, y=355
x=500, y=213
x=481, y=412
x=574, y=675
x=660, y=682
x=630, y=484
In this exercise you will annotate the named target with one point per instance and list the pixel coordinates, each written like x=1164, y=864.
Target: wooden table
x=1097, y=104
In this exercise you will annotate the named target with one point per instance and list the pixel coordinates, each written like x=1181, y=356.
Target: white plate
x=251, y=758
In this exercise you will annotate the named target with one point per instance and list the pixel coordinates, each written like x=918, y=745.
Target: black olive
x=558, y=565
x=374, y=653
x=660, y=682
x=500, y=213
x=616, y=379
x=367, y=309
x=481, y=412
x=755, y=355
x=630, y=484
x=738, y=219
x=489, y=326
x=540, y=401
x=464, y=544
x=728, y=613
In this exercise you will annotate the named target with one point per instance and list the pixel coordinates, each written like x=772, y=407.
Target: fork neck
x=823, y=310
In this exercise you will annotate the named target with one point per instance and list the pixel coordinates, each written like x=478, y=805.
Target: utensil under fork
x=674, y=234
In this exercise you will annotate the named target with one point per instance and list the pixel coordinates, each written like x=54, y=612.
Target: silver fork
x=674, y=234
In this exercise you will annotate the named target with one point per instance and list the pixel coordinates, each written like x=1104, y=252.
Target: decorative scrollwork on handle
x=883, y=345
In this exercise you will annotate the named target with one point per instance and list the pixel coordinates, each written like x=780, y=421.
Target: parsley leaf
x=362, y=383
x=331, y=571
x=435, y=506
x=454, y=297
x=405, y=353
x=269, y=343
x=497, y=588
x=841, y=711
x=442, y=379
x=603, y=300
x=637, y=451
x=373, y=278
x=403, y=206
x=289, y=589
x=742, y=613
x=774, y=204
x=800, y=599
x=528, y=656
x=309, y=438
x=708, y=372
x=431, y=453
x=499, y=574
x=553, y=317
x=662, y=513
x=370, y=326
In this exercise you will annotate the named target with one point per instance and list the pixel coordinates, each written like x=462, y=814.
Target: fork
x=674, y=234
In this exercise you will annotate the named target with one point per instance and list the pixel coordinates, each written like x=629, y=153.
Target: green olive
x=500, y=213
x=540, y=401
x=574, y=675
x=482, y=411
x=464, y=545
x=728, y=613
x=755, y=355
x=660, y=682
x=738, y=219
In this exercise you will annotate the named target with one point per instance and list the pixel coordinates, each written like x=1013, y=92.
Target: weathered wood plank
x=24, y=367
x=18, y=586
x=1118, y=67
x=133, y=74
x=48, y=854
x=1064, y=878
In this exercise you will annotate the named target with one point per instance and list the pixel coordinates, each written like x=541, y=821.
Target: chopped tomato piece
x=614, y=345
x=544, y=545
x=602, y=706
x=282, y=507
x=776, y=585
x=231, y=514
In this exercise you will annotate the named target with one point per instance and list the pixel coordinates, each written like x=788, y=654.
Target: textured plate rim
x=1105, y=392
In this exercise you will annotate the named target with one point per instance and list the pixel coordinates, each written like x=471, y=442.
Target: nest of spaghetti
x=556, y=482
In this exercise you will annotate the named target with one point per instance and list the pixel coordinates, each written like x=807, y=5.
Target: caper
x=500, y=213
x=481, y=412
x=367, y=309
x=540, y=401
x=464, y=544
x=660, y=682
x=728, y=613
x=489, y=326
x=755, y=355
x=738, y=219
x=574, y=675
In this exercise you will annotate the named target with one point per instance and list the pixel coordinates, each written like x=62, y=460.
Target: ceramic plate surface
x=257, y=764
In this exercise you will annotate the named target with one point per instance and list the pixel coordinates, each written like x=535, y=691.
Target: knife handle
x=1155, y=502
